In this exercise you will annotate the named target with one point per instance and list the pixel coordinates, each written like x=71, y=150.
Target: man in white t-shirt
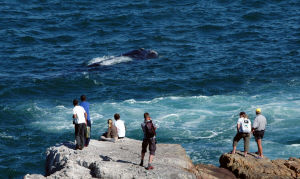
x=120, y=126
x=243, y=131
x=80, y=121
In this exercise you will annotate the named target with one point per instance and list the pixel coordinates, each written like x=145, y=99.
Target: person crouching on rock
x=112, y=133
x=149, y=129
x=243, y=131
x=80, y=121
x=120, y=126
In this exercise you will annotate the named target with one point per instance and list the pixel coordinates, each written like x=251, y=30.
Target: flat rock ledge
x=252, y=168
x=120, y=160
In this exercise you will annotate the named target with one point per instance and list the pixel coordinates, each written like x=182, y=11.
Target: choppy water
x=217, y=58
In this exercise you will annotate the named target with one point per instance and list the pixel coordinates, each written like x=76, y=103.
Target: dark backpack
x=150, y=130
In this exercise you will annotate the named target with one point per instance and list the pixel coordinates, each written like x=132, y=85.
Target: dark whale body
x=140, y=54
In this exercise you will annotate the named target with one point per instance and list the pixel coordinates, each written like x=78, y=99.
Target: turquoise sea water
x=217, y=58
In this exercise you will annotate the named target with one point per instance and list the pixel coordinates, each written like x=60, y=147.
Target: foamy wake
x=109, y=60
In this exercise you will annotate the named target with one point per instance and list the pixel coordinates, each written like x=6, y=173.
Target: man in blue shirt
x=86, y=107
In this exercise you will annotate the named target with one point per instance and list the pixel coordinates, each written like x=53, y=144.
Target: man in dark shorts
x=149, y=139
x=258, y=129
x=86, y=107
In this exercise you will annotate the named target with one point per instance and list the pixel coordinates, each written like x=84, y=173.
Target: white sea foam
x=213, y=134
x=208, y=119
x=109, y=60
x=170, y=116
x=61, y=107
x=295, y=145
x=4, y=135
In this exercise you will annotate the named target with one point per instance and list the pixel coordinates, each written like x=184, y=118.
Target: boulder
x=102, y=159
x=252, y=168
x=212, y=172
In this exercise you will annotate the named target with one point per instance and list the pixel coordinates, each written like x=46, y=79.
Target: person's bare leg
x=150, y=167
x=246, y=145
x=151, y=158
x=234, y=149
x=260, y=150
x=142, y=156
x=142, y=159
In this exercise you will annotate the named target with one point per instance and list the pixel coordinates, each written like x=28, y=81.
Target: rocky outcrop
x=252, y=168
x=121, y=160
x=211, y=172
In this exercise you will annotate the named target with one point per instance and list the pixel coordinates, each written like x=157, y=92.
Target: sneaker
x=141, y=164
x=150, y=168
x=259, y=157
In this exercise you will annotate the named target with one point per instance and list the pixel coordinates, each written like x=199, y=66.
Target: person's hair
x=82, y=97
x=117, y=116
x=146, y=115
x=246, y=116
x=109, y=122
x=75, y=102
x=242, y=113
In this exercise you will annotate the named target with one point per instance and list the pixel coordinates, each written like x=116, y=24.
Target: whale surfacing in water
x=139, y=54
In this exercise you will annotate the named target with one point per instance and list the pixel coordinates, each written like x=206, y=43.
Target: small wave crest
x=109, y=60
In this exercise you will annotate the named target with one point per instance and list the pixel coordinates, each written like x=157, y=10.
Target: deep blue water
x=217, y=58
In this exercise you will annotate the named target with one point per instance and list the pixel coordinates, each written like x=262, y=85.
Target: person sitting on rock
x=111, y=134
x=120, y=126
x=243, y=131
x=149, y=129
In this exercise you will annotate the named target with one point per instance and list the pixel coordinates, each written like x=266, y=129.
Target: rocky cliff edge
x=121, y=160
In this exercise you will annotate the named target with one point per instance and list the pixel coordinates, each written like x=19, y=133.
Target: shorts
x=152, y=145
x=259, y=134
x=245, y=136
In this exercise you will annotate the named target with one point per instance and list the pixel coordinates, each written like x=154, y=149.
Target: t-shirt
x=121, y=128
x=112, y=132
x=240, y=122
x=260, y=123
x=79, y=111
x=143, y=125
x=86, y=107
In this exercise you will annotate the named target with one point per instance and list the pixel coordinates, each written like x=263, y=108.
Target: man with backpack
x=243, y=131
x=149, y=139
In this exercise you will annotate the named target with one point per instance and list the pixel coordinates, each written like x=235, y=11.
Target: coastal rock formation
x=121, y=160
x=252, y=168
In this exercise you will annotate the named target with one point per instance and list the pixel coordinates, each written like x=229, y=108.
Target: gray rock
x=115, y=160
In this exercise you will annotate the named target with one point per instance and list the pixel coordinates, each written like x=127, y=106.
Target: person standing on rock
x=80, y=121
x=243, y=131
x=149, y=129
x=258, y=130
x=86, y=107
x=120, y=126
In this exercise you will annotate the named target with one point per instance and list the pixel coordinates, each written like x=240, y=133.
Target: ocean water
x=216, y=58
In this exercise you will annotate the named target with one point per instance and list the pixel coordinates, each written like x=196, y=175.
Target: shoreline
x=104, y=159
